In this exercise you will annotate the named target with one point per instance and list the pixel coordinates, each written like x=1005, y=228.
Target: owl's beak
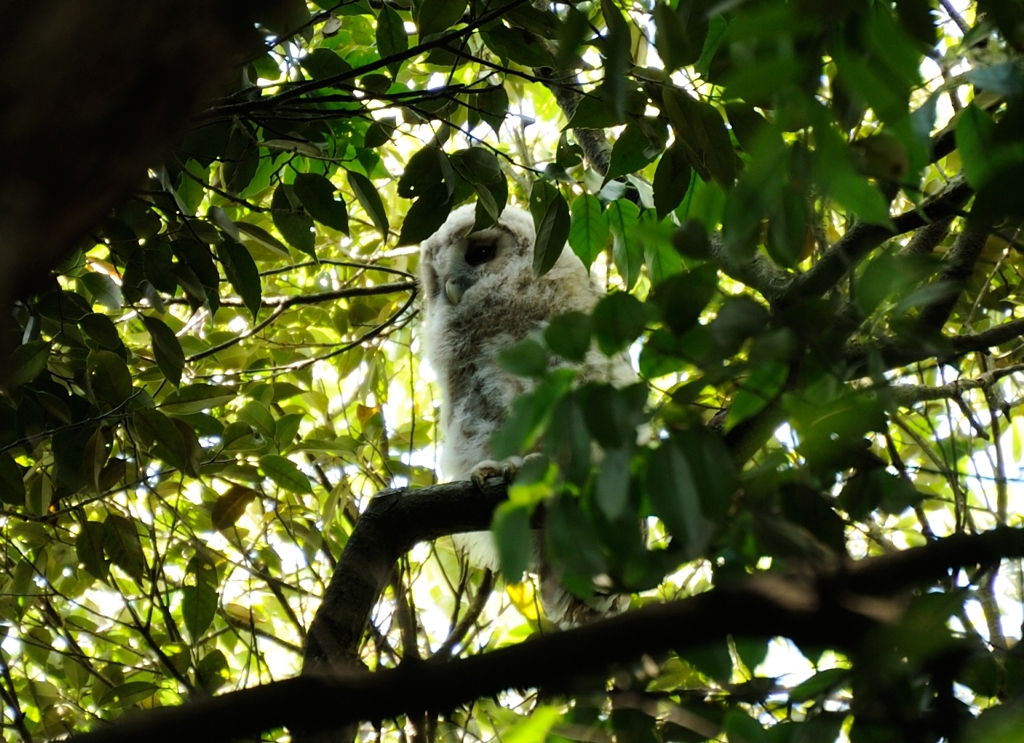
x=454, y=291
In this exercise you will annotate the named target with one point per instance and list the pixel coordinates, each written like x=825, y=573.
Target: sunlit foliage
x=807, y=218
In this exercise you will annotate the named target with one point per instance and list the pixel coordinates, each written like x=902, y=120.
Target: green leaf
x=681, y=32
x=515, y=44
x=479, y=166
x=975, y=135
x=263, y=237
x=94, y=457
x=425, y=216
x=1004, y=78
x=612, y=414
x=671, y=181
x=197, y=397
x=242, y=274
x=713, y=469
x=741, y=727
x=190, y=187
x=627, y=251
x=916, y=17
x=424, y=173
x=199, y=601
x=588, y=229
x=108, y=377
x=682, y=297
x=568, y=335
x=288, y=428
x=103, y=289
x=819, y=685
x=26, y=362
x=493, y=105
x=672, y=491
x=213, y=671
x=837, y=176
x=199, y=606
x=167, y=349
x=746, y=123
x=122, y=545
x=514, y=540
x=12, y=483
x=125, y=695
x=435, y=16
x=391, y=36
x=552, y=231
x=367, y=195
x=101, y=329
x=618, y=320
x=572, y=541
x=193, y=450
x=317, y=196
x=324, y=63
x=379, y=132
x=700, y=131
x=284, y=473
x=567, y=441
x=611, y=489
x=760, y=388
x=156, y=432
x=89, y=549
x=529, y=415
x=533, y=728
x=259, y=417
x=617, y=56
x=296, y=229
x=526, y=358
x=632, y=151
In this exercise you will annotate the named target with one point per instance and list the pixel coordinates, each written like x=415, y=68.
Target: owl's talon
x=506, y=468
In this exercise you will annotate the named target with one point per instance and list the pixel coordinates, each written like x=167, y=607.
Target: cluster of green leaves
x=201, y=398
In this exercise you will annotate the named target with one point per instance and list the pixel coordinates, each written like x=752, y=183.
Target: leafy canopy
x=806, y=215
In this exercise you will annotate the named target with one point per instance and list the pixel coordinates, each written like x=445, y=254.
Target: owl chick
x=481, y=297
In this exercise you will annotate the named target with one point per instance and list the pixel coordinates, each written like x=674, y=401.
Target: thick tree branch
x=394, y=521
x=927, y=238
x=907, y=394
x=900, y=351
x=956, y=271
x=862, y=238
x=759, y=273
x=823, y=611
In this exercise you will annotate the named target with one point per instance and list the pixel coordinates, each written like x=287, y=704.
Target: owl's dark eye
x=480, y=251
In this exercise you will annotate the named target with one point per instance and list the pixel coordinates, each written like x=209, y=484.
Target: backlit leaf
x=284, y=473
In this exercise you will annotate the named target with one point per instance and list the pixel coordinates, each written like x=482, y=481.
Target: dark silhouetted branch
x=894, y=352
x=862, y=238
x=823, y=610
x=956, y=272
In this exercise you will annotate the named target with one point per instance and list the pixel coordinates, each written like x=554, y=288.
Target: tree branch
x=309, y=86
x=900, y=351
x=906, y=394
x=955, y=273
x=394, y=521
x=825, y=610
x=862, y=238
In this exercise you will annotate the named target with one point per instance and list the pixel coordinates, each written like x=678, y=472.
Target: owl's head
x=455, y=258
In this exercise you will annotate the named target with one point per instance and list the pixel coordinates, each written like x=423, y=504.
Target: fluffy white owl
x=480, y=297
